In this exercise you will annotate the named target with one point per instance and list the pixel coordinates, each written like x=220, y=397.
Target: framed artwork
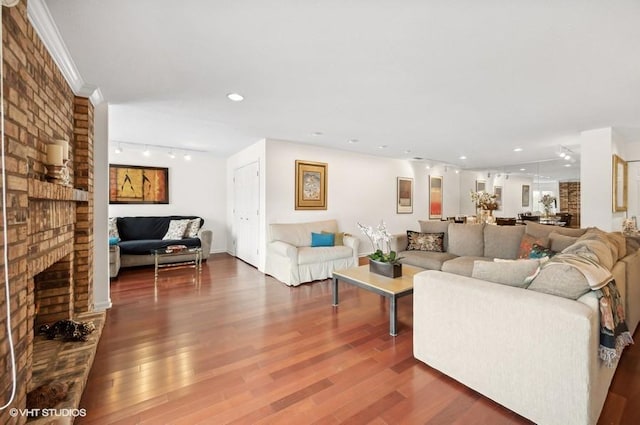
x=481, y=186
x=619, y=184
x=404, y=201
x=497, y=190
x=525, y=195
x=133, y=184
x=435, y=197
x=311, y=185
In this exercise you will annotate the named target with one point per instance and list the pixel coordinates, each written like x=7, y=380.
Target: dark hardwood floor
x=239, y=347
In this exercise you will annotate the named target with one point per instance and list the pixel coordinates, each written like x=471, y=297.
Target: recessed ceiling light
x=382, y=147
x=316, y=133
x=146, y=151
x=523, y=169
x=567, y=165
x=463, y=157
x=562, y=154
x=352, y=141
x=236, y=97
x=172, y=155
x=517, y=149
x=187, y=157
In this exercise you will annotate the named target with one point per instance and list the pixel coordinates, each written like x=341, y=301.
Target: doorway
x=246, y=211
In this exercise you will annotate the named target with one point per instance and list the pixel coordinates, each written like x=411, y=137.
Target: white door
x=246, y=212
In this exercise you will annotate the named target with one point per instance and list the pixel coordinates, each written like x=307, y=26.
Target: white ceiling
x=430, y=79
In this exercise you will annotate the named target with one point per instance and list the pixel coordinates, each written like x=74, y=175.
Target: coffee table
x=195, y=258
x=382, y=285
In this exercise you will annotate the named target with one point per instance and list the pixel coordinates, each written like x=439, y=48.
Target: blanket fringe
x=610, y=356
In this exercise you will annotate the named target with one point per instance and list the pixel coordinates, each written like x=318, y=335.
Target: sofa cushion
x=141, y=228
x=322, y=239
x=322, y=254
x=425, y=241
x=436, y=226
x=462, y=265
x=145, y=246
x=543, y=230
x=466, y=240
x=559, y=242
x=426, y=259
x=561, y=280
x=502, y=241
x=527, y=243
x=518, y=273
x=299, y=234
x=176, y=229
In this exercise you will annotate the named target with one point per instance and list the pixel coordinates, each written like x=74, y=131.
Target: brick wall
x=49, y=226
x=570, y=201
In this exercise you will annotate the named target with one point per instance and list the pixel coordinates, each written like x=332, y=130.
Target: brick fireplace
x=50, y=226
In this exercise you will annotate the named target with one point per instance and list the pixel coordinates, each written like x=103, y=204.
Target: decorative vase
x=546, y=211
x=385, y=269
x=486, y=216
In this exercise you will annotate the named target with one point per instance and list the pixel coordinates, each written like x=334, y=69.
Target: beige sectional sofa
x=533, y=352
x=292, y=260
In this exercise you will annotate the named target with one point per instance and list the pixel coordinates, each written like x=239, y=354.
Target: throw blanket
x=614, y=334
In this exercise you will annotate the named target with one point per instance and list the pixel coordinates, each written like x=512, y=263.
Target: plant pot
x=385, y=269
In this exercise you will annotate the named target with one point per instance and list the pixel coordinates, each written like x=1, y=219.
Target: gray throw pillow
x=561, y=280
x=559, y=242
x=517, y=273
x=502, y=241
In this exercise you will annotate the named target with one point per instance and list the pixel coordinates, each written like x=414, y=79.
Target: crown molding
x=42, y=21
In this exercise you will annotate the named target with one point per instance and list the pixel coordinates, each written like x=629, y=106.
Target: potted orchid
x=383, y=260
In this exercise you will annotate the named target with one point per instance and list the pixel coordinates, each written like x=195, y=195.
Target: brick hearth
x=49, y=226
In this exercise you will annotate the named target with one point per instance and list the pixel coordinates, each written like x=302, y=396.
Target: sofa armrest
x=516, y=329
x=206, y=238
x=353, y=243
x=399, y=242
x=284, y=249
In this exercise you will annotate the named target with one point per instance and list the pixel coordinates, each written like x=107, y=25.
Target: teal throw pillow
x=114, y=240
x=322, y=239
x=539, y=251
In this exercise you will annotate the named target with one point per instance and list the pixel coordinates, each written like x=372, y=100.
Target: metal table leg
x=334, y=290
x=393, y=316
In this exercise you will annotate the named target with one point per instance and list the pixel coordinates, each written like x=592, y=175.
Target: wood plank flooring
x=238, y=347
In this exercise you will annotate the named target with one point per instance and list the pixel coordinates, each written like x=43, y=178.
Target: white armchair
x=292, y=260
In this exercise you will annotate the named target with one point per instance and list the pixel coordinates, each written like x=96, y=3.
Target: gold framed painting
x=133, y=184
x=404, y=201
x=435, y=197
x=311, y=185
x=619, y=184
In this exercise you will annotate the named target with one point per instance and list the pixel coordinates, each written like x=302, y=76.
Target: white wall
x=595, y=179
x=101, y=284
x=360, y=189
x=197, y=187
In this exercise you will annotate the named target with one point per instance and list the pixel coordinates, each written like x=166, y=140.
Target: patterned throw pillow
x=425, y=241
x=192, y=228
x=539, y=251
x=113, y=228
x=526, y=245
x=176, y=229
